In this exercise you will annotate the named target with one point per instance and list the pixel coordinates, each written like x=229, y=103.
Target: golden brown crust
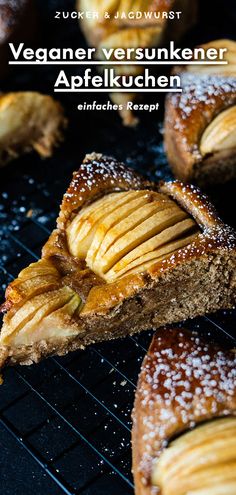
x=184, y=380
x=196, y=203
x=168, y=291
x=97, y=176
x=187, y=115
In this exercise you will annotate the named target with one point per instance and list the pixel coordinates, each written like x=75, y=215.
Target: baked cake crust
x=197, y=384
x=194, y=280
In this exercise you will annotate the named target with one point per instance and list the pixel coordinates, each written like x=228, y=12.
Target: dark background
x=65, y=423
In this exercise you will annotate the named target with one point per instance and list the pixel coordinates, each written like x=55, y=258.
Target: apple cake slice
x=184, y=417
x=200, y=123
x=127, y=255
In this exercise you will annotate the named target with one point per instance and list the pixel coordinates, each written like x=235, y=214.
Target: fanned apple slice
x=197, y=460
x=47, y=323
x=205, y=442
x=147, y=260
x=166, y=236
x=208, y=480
x=74, y=228
x=89, y=220
x=128, y=224
x=221, y=133
x=152, y=224
x=90, y=215
x=32, y=287
x=119, y=214
x=80, y=235
x=41, y=267
x=224, y=488
x=56, y=321
x=34, y=310
x=35, y=279
x=70, y=308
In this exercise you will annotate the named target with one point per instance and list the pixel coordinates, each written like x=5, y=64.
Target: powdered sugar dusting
x=202, y=89
x=98, y=174
x=218, y=238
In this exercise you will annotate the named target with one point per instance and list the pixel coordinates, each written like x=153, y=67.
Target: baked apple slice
x=118, y=218
x=156, y=247
x=154, y=223
x=84, y=226
x=29, y=121
x=220, y=135
x=33, y=280
x=127, y=255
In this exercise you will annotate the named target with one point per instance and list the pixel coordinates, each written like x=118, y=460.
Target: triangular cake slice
x=127, y=255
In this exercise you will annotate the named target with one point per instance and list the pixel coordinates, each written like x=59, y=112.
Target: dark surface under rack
x=65, y=423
